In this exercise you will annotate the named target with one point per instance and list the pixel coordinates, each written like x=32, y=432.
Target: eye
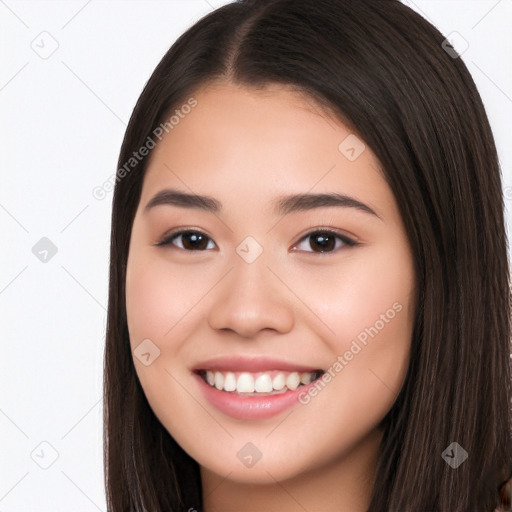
x=326, y=241
x=321, y=241
x=191, y=240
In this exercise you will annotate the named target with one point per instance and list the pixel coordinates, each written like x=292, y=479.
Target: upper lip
x=251, y=364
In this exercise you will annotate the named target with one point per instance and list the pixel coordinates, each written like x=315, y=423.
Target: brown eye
x=326, y=241
x=191, y=240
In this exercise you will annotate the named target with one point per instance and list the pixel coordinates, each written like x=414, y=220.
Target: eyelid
x=169, y=236
x=347, y=240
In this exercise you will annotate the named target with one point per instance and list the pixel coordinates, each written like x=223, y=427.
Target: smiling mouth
x=258, y=383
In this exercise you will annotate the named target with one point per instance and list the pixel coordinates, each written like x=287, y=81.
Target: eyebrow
x=282, y=205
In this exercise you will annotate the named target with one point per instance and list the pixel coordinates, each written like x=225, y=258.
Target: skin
x=246, y=147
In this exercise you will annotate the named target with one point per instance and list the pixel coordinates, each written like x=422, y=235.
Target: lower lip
x=250, y=407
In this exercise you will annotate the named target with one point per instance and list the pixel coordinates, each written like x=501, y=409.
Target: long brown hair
x=383, y=70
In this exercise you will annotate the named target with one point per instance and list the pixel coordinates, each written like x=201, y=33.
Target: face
x=270, y=334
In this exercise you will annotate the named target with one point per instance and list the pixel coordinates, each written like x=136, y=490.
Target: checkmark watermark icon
x=44, y=455
x=44, y=45
x=454, y=455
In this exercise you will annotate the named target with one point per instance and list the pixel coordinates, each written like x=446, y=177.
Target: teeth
x=263, y=384
x=270, y=382
x=245, y=383
x=293, y=380
x=219, y=380
x=230, y=382
x=279, y=382
x=306, y=378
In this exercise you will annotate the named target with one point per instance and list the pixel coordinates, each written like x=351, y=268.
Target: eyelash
x=347, y=242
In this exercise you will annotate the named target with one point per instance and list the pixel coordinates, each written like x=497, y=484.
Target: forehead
x=257, y=141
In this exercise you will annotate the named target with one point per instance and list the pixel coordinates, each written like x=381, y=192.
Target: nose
x=250, y=299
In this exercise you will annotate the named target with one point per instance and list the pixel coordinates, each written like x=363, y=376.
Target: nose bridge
x=250, y=275
x=250, y=298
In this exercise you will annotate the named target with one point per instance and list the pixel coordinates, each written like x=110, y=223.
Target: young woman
x=309, y=293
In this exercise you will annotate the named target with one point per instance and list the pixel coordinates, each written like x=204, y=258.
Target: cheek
x=376, y=290
x=369, y=309
x=159, y=296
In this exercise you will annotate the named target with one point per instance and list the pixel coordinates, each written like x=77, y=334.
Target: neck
x=345, y=485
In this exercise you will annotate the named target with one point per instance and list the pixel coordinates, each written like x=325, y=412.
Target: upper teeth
x=245, y=382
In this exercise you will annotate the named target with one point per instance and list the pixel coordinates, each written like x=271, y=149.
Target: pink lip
x=252, y=364
x=249, y=407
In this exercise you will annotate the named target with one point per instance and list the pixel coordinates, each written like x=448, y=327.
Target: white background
x=62, y=122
